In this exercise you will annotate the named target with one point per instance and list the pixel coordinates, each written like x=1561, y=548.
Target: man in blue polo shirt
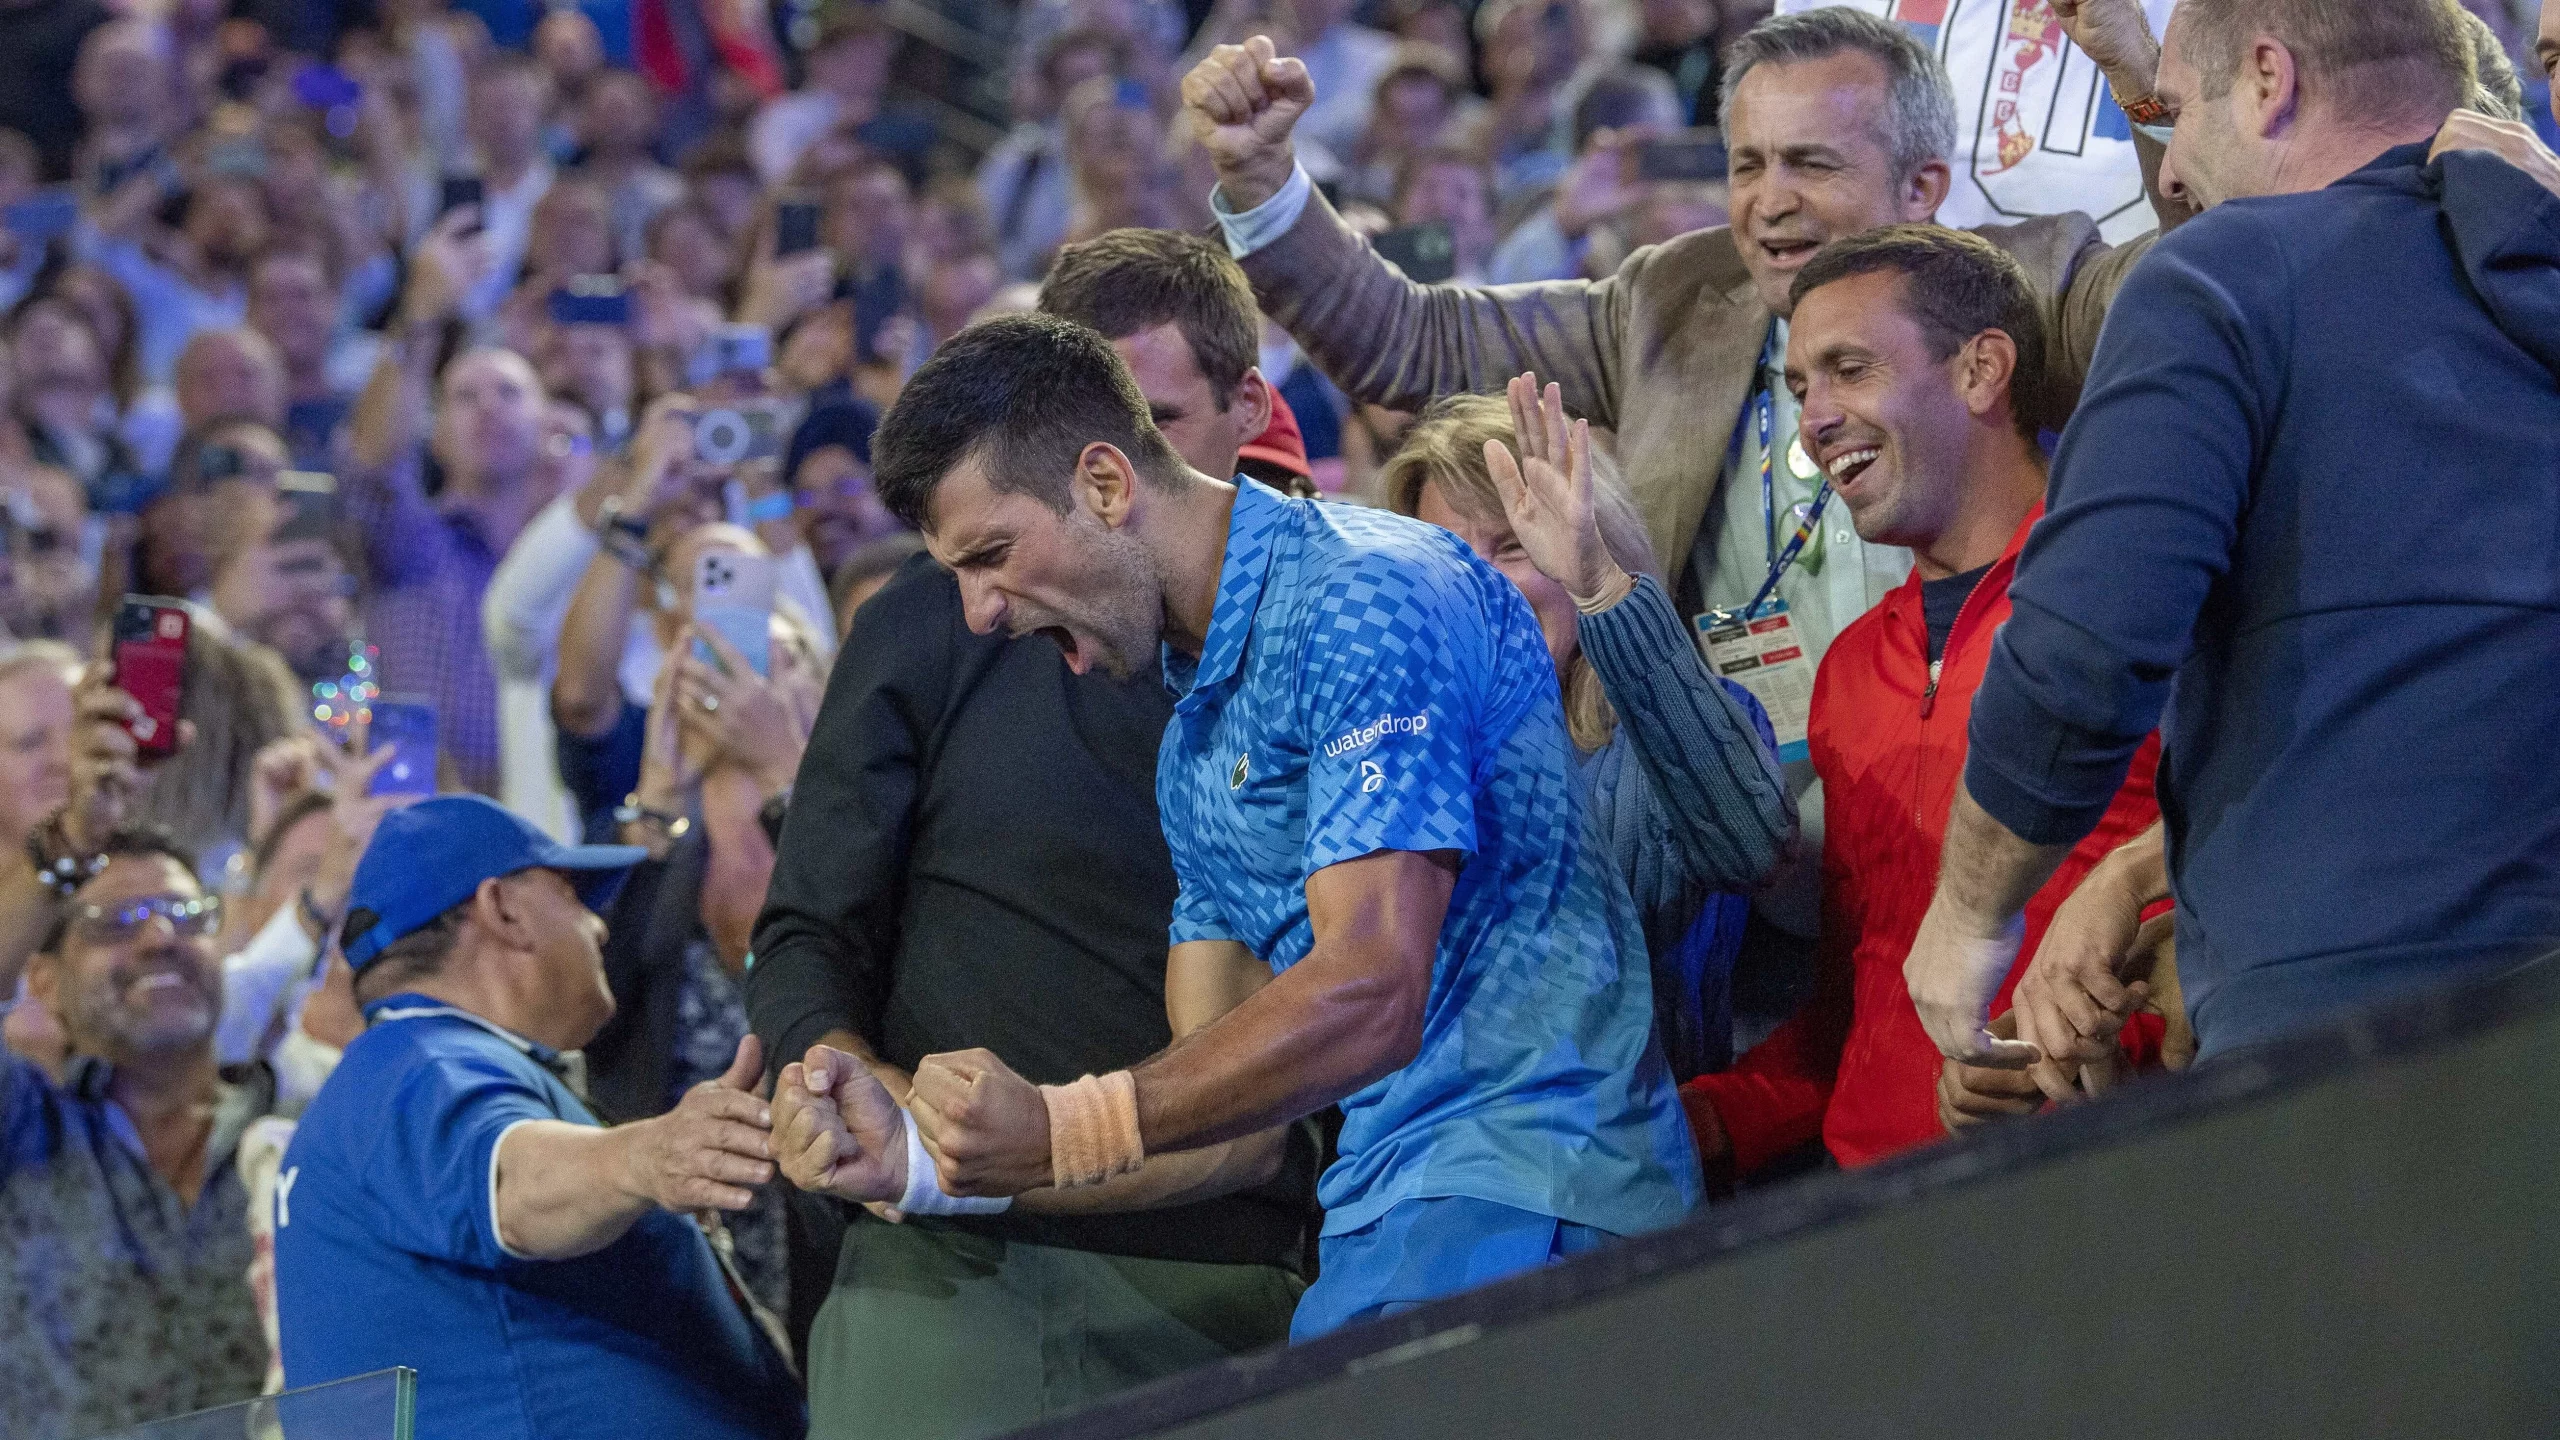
x=1367, y=789
x=448, y=1204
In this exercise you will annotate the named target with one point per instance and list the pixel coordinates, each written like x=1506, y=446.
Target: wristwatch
x=61, y=867
x=632, y=812
x=624, y=537
x=770, y=816
x=2147, y=109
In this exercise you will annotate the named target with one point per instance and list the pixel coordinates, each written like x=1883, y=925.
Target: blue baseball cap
x=429, y=857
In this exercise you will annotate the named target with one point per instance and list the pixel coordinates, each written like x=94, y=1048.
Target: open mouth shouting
x=1067, y=645
x=1786, y=252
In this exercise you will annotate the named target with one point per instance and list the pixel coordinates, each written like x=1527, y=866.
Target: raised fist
x=1243, y=101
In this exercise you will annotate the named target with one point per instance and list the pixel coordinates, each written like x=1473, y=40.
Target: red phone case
x=150, y=655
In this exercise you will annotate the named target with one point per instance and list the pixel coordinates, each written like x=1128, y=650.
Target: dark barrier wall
x=2356, y=1235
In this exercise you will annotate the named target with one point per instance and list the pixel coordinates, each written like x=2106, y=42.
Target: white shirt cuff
x=1266, y=222
x=925, y=1195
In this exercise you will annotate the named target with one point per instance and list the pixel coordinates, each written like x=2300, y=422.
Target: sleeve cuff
x=497, y=1235
x=2028, y=815
x=1256, y=228
x=1186, y=929
x=1640, y=633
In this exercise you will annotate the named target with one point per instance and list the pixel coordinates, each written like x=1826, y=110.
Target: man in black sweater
x=972, y=859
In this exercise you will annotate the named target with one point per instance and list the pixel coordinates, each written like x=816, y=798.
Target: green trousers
x=936, y=1335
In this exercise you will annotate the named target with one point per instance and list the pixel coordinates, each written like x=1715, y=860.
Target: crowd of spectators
x=686, y=840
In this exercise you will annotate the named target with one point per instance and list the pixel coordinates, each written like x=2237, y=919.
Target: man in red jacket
x=1919, y=357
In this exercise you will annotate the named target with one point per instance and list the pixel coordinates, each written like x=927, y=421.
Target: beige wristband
x=1610, y=594
x=1093, y=1129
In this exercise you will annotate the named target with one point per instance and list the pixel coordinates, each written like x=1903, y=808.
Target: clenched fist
x=836, y=1131
x=1243, y=101
x=986, y=1127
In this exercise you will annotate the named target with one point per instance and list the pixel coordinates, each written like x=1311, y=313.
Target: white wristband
x=925, y=1195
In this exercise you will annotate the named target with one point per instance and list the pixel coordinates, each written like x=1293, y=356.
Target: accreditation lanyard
x=1779, y=560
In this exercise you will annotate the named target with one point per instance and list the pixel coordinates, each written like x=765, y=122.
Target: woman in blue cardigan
x=1680, y=767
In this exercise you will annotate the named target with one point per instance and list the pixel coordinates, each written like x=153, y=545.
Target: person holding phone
x=508, y=97
x=1444, y=203
x=659, y=513
x=118, y=939
x=1622, y=111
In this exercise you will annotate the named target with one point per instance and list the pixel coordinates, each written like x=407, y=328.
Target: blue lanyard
x=1779, y=560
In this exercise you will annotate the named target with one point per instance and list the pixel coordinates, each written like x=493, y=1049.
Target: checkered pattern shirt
x=1368, y=684
x=428, y=568
x=120, y=1301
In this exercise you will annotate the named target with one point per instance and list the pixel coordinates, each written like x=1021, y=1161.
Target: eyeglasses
x=196, y=919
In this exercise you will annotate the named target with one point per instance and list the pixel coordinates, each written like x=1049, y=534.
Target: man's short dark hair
x=1026, y=392
x=1921, y=103
x=1123, y=281
x=2371, y=62
x=1955, y=285
x=125, y=842
x=411, y=958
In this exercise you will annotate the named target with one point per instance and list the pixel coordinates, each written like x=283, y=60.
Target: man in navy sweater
x=2314, y=481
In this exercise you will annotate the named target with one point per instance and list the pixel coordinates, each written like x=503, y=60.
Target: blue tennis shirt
x=387, y=1253
x=1368, y=684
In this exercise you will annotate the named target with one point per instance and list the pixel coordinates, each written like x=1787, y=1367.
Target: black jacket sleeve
x=829, y=932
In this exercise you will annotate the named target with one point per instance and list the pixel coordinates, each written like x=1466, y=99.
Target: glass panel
x=379, y=1406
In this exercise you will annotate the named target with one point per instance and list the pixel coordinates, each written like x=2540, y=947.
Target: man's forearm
x=1177, y=1177
x=1986, y=873
x=562, y=1189
x=586, y=690
x=1329, y=1025
x=386, y=418
x=1346, y=1015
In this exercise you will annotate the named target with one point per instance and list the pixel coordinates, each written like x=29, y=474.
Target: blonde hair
x=53, y=655
x=1446, y=447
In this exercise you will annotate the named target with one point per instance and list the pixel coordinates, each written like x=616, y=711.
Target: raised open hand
x=1547, y=496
